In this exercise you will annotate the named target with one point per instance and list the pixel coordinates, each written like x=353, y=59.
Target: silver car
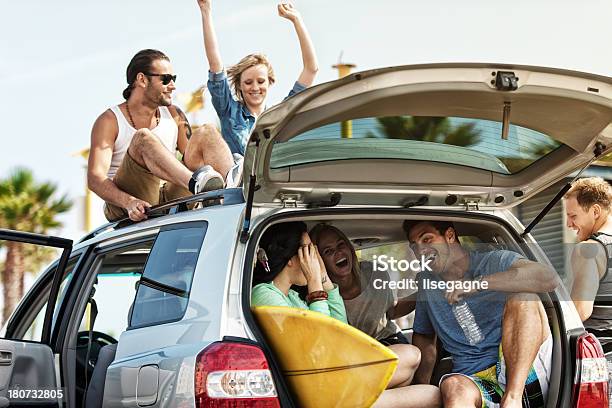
x=157, y=313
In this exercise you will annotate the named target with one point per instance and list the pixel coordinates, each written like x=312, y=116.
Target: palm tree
x=25, y=205
x=535, y=150
x=428, y=129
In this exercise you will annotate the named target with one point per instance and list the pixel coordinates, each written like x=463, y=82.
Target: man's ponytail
x=141, y=62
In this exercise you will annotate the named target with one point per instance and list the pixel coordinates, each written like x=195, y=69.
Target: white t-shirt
x=368, y=311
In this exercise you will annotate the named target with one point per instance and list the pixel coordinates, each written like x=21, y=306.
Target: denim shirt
x=236, y=120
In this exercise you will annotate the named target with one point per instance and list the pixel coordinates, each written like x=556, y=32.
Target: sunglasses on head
x=165, y=78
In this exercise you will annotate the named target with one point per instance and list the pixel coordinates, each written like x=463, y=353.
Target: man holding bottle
x=475, y=325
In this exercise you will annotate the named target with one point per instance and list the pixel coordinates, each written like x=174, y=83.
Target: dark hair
x=281, y=242
x=440, y=226
x=141, y=62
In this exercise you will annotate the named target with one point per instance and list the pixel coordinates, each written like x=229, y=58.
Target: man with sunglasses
x=133, y=146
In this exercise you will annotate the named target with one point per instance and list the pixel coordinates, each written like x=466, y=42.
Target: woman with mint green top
x=286, y=258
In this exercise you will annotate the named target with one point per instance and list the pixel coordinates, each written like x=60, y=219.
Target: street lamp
x=344, y=68
x=87, y=204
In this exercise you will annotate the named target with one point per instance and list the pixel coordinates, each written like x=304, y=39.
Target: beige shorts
x=139, y=182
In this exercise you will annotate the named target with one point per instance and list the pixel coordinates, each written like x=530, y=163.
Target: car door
x=177, y=313
x=28, y=372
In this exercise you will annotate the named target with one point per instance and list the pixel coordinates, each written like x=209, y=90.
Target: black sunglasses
x=165, y=78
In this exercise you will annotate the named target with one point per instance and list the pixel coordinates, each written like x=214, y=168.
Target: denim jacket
x=236, y=120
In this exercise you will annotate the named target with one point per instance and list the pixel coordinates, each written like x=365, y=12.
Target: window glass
x=155, y=306
x=164, y=289
x=384, y=257
x=34, y=331
x=114, y=296
x=115, y=289
x=463, y=141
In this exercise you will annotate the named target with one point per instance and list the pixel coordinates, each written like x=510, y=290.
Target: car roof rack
x=228, y=196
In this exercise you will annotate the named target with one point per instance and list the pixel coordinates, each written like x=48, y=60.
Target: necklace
x=127, y=108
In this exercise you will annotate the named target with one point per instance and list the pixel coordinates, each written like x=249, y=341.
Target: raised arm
x=211, y=47
x=103, y=136
x=309, y=58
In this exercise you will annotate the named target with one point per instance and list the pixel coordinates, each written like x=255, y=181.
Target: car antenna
x=600, y=148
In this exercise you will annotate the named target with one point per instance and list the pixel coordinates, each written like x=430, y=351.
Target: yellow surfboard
x=327, y=363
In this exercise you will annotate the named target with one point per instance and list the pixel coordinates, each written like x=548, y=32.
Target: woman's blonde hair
x=234, y=72
x=315, y=236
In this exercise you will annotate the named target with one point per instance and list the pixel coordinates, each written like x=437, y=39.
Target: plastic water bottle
x=468, y=324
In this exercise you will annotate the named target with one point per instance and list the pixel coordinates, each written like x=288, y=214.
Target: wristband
x=479, y=279
x=316, y=296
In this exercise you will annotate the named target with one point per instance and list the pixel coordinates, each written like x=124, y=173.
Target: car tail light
x=591, y=381
x=234, y=375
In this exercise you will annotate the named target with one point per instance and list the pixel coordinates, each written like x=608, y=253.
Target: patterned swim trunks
x=492, y=381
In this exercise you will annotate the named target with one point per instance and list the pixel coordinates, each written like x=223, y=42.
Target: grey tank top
x=601, y=318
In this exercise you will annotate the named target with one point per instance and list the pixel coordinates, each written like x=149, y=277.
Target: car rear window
x=463, y=141
x=163, y=291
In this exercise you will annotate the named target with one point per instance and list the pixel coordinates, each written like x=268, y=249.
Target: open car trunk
x=379, y=231
x=455, y=134
x=453, y=140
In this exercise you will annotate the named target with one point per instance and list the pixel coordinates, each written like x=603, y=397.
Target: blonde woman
x=371, y=311
x=249, y=81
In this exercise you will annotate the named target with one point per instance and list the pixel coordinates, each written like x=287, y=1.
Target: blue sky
x=64, y=62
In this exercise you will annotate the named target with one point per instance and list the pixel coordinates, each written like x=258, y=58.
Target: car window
x=34, y=330
x=163, y=291
x=386, y=258
x=107, y=297
x=114, y=296
x=114, y=289
x=456, y=140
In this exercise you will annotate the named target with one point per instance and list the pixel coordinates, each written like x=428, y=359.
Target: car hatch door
x=452, y=133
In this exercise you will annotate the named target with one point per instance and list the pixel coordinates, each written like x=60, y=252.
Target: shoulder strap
x=605, y=240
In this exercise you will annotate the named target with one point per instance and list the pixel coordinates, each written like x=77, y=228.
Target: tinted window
x=164, y=288
x=468, y=142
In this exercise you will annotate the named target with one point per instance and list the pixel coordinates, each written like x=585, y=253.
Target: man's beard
x=157, y=99
x=162, y=101
x=442, y=260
